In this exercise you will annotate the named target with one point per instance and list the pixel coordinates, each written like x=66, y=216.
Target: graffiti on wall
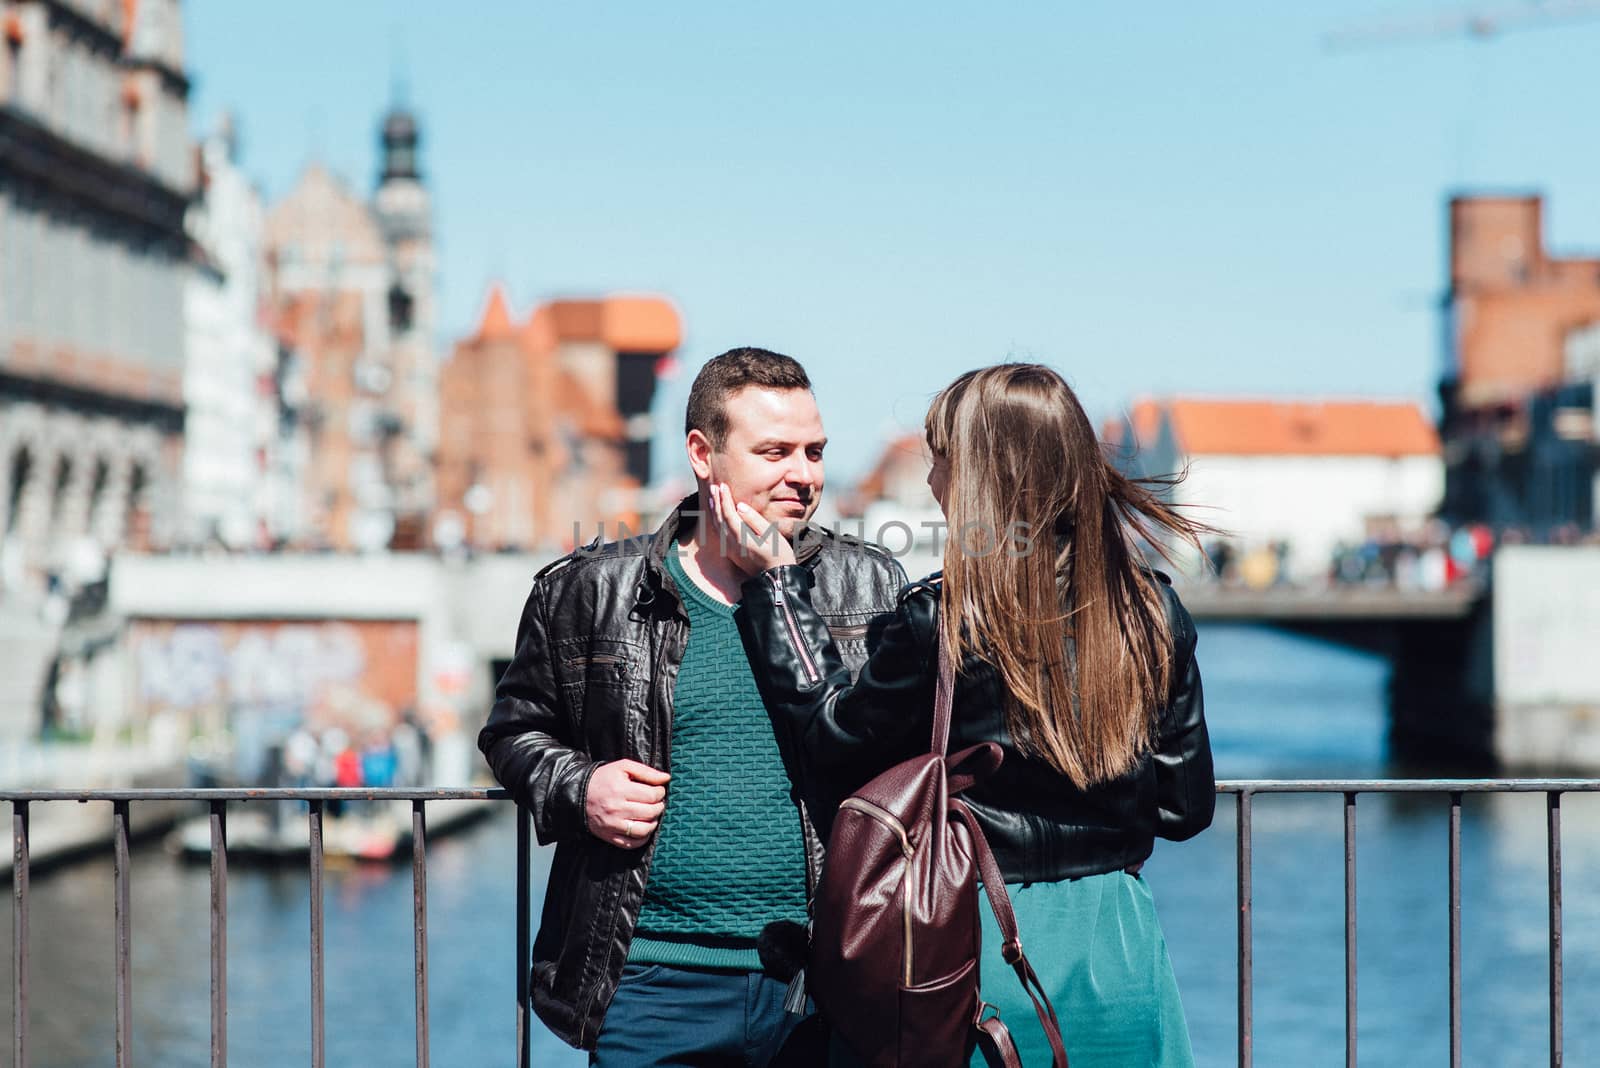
x=327, y=672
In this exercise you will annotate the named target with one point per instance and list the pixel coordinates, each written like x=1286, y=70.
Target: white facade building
x=230, y=359
x=94, y=179
x=1311, y=474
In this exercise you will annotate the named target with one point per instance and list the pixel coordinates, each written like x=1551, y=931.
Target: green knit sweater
x=729, y=855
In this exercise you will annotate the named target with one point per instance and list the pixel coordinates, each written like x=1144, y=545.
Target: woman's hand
x=748, y=541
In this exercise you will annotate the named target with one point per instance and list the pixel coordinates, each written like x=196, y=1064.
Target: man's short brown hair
x=725, y=375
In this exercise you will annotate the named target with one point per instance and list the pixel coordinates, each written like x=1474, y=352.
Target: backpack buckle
x=1011, y=951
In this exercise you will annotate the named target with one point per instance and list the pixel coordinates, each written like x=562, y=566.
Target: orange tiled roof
x=1290, y=428
x=641, y=324
x=896, y=452
x=626, y=324
x=1146, y=419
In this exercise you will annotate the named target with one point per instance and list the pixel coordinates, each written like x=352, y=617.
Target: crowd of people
x=1434, y=558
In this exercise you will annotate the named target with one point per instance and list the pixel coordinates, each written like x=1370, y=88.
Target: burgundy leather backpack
x=896, y=929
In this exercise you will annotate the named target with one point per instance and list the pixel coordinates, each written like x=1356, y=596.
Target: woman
x=1074, y=657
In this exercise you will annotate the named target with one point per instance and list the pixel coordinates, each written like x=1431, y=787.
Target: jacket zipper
x=887, y=818
x=794, y=628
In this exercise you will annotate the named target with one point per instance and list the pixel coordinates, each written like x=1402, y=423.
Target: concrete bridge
x=1439, y=645
x=1333, y=607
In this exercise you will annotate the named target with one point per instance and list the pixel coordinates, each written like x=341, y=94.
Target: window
x=21, y=468
x=11, y=74
x=58, y=494
x=402, y=309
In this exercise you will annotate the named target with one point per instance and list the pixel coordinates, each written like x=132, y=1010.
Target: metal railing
x=217, y=801
x=1350, y=788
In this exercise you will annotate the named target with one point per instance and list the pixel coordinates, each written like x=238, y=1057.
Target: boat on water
x=270, y=831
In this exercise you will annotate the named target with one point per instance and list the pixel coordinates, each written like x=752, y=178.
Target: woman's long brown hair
x=1042, y=576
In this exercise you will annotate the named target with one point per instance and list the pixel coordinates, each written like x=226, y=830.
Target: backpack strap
x=965, y=768
x=971, y=766
x=995, y=1040
x=944, y=695
x=974, y=763
x=1011, y=946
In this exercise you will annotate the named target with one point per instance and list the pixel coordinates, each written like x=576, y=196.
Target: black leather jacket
x=1041, y=828
x=598, y=650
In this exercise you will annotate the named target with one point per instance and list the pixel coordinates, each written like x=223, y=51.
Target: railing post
x=524, y=939
x=315, y=828
x=1553, y=803
x=19, y=934
x=1455, y=930
x=1246, y=992
x=121, y=876
x=419, y=907
x=219, y=934
x=1350, y=929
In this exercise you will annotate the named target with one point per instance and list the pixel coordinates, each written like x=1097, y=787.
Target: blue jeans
x=666, y=1017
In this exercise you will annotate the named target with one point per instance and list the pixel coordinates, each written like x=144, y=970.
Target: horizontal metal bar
x=495, y=793
x=1408, y=786
x=329, y=793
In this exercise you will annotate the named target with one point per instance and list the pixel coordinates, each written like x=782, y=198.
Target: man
x=629, y=724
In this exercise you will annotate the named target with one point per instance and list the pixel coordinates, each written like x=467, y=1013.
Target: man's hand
x=748, y=540
x=626, y=799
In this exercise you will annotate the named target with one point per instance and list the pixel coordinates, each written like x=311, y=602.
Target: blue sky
x=1184, y=198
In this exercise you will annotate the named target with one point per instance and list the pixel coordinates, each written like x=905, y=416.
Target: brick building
x=1517, y=392
x=230, y=420
x=352, y=290
x=545, y=424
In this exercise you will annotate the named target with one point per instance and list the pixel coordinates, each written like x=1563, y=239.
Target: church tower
x=405, y=217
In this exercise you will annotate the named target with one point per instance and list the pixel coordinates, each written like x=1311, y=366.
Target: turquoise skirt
x=1100, y=954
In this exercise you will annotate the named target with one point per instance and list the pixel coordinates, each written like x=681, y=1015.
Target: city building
x=352, y=291
x=893, y=506
x=96, y=173
x=1304, y=475
x=230, y=361
x=545, y=424
x=1522, y=354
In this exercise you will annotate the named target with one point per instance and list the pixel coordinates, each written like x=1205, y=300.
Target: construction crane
x=1467, y=23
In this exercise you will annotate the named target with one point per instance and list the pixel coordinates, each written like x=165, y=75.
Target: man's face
x=772, y=459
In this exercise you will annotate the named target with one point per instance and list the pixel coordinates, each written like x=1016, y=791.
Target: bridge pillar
x=1547, y=657
x=1441, y=693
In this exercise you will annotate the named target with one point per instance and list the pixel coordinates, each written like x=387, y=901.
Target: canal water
x=1279, y=706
